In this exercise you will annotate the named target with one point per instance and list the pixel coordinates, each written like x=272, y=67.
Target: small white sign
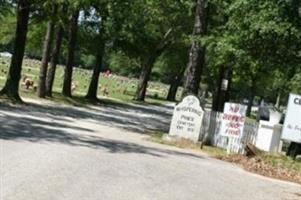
x=292, y=125
x=225, y=84
x=233, y=120
x=187, y=119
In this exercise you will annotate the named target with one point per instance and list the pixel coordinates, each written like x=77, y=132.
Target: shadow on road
x=26, y=128
x=137, y=118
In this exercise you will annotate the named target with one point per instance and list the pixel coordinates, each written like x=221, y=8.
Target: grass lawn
x=116, y=85
x=281, y=161
x=187, y=144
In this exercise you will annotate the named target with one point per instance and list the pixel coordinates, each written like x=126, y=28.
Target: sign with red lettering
x=233, y=120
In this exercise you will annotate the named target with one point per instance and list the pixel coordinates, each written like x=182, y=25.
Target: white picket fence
x=211, y=128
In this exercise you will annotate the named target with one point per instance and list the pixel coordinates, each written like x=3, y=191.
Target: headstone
x=5, y=54
x=187, y=119
x=233, y=120
x=263, y=113
x=225, y=84
x=292, y=125
x=298, y=158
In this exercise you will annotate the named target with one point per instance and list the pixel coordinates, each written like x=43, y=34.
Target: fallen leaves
x=259, y=166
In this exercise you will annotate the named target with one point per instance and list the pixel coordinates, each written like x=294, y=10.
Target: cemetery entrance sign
x=292, y=126
x=187, y=119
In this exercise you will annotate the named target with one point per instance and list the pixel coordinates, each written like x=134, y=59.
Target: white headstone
x=292, y=125
x=187, y=119
x=225, y=84
x=233, y=120
x=5, y=54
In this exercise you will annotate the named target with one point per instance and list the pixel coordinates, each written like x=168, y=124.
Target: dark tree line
x=223, y=47
x=240, y=49
x=57, y=28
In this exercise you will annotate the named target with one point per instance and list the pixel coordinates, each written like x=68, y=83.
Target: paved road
x=67, y=153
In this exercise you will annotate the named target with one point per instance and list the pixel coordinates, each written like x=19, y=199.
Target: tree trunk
x=70, y=58
x=197, y=52
x=172, y=92
x=251, y=97
x=11, y=88
x=144, y=78
x=278, y=100
x=46, y=54
x=148, y=65
x=92, y=92
x=250, y=105
x=222, y=93
x=54, y=60
x=174, y=84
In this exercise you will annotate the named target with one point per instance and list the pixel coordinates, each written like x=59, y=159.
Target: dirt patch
x=259, y=166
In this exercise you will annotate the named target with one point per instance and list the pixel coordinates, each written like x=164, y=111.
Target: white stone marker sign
x=233, y=120
x=187, y=119
x=292, y=125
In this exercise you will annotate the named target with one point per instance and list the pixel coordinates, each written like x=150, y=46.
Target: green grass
x=281, y=161
x=187, y=144
x=156, y=93
x=214, y=151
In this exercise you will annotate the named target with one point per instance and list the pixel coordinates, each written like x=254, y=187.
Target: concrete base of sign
x=268, y=137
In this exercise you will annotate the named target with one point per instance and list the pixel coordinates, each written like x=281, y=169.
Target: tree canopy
x=258, y=42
